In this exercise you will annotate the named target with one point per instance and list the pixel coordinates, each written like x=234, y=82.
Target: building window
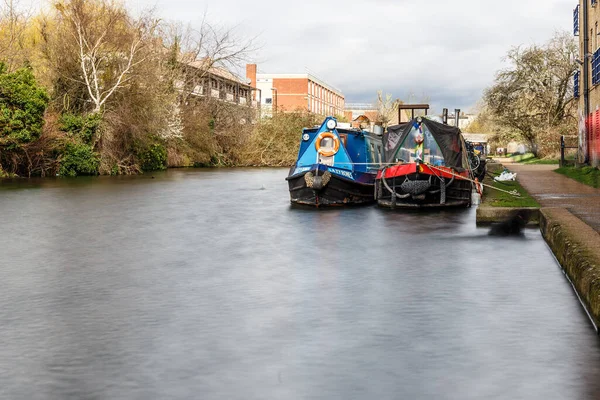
x=268, y=100
x=596, y=67
x=576, y=21
x=576, y=85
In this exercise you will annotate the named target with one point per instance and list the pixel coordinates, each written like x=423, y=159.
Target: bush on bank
x=149, y=121
x=83, y=126
x=79, y=159
x=275, y=141
x=154, y=158
x=22, y=106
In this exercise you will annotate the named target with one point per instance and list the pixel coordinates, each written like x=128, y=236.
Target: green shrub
x=79, y=159
x=154, y=158
x=275, y=141
x=85, y=126
x=71, y=123
x=22, y=106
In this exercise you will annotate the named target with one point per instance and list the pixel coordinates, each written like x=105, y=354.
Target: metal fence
x=567, y=143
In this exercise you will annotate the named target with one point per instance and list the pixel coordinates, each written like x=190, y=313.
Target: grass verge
x=529, y=158
x=497, y=198
x=587, y=175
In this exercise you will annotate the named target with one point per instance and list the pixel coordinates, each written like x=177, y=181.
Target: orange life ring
x=336, y=144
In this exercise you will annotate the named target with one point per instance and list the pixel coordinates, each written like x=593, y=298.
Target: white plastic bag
x=506, y=175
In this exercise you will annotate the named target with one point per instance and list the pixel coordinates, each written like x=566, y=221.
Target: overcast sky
x=446, y=50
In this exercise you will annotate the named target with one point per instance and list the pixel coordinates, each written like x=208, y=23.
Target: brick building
x=289, y=92
x=586, y=20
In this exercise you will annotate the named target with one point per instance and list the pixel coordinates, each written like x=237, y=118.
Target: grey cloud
x=449, y=50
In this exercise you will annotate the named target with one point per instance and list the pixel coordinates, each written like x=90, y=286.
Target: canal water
x=207, y=284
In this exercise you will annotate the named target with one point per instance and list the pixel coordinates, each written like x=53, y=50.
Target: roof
x=215, y=70
x=362, y=118
x=413, y=106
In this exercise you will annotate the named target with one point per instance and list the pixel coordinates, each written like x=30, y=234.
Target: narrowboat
x=335, y=166
x=426, y=165
x=477, y=149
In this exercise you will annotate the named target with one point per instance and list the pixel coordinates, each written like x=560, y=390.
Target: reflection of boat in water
x=426, y=166
x=335, y=166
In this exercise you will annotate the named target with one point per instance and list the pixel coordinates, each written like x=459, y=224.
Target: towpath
x=551, y=189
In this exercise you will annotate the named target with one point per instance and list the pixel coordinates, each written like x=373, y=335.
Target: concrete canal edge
x=487, y=215
x=576, y=246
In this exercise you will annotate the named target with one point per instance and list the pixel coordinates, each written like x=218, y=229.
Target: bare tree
x=109, y=44
x=12, y=34
x=412, y=97
x=534, y=96
x=198, y=52
x=387, y=108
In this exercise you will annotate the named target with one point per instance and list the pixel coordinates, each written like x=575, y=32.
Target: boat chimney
x=456, y=117
x=445, y=116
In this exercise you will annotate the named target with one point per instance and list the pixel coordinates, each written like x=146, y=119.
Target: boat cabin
x=349, y=148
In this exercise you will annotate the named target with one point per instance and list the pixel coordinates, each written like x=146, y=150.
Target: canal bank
x=569, y=220
x=576, y=246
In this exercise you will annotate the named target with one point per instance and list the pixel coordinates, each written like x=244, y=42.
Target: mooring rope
x=392, y=191
x=512, y=192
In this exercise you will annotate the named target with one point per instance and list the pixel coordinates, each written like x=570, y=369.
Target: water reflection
x=203, y=284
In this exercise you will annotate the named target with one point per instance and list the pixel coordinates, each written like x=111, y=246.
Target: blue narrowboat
x=335, y=166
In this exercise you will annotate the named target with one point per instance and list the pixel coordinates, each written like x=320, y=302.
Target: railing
x=576, y=21
x=563, y=146
x=576, y=85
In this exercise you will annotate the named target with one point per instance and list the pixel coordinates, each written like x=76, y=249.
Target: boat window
x=379, y=154
x=420, y=144
x=343, y=139
x=479, y=147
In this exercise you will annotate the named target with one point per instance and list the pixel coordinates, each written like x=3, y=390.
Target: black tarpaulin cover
x=449, y=138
